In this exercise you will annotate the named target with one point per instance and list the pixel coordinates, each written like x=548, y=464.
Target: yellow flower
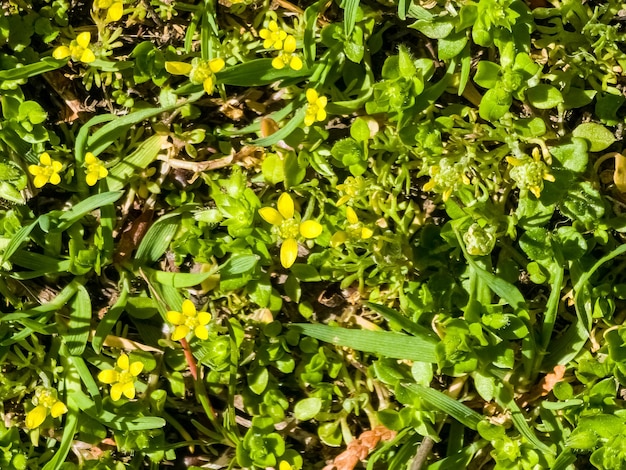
x=200, y=71
x=46, y=172
x=447, y=177
x=287, y=57
x=274, y=36
x=78, y=49
x=284, y=465
x=288, y=227
x=189, y=320
x=122, y=378
x=45, y=401
x=94, y=168
x=114, y=9
x=529, y=174
x=355, y=230
x=315, y=109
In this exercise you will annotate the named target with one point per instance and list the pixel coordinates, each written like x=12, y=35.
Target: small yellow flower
x=45, y=401
x=46, y=172
x=199, y=71
x=529, y=174
x=94, y=168
x=288, y=227
x=447, y=177
x=78, y=49
x=315, y=110
x=114, y=9
x=284, y=465
x=287, y=57
x=189, y=320
x=354, y=230
x=122, y=378
x=273, y=35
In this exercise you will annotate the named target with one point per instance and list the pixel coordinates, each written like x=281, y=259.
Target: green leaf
x=80, y=322
x=83, y=208
x=383, y=343
x=130, y=165
x=571, y=155
x=350, y=8
x=599, y=136
x=434, y=28
x=17, y=240
x=452, y=45
x=405, y=323
x=273, y=169
x=544, y=96
x=106, y=324
x=487, y=74
x=307, y=408
x=257, y=72
x=158, y=238
x=448, y=405
x=238, y=264
x=494, y=104
x=293, y=124
x=179, y=280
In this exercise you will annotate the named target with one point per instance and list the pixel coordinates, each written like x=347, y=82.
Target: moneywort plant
x=312, y=235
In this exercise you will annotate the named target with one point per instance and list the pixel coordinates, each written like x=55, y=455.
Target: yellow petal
x=296, y=63
x=180, y=332
x=278, y=63
x=45, y=159
x=309, y=119
x=351, y=215
x=288, y=253
x=311, y=95
x=175, y=318
x=273, y=26
x=178, y=68
x=123, y=362
x=92, y=178
x=55, y=178
x=87, y=56
x=201, y=332
x=321, y=115
x=536, y=190
x=56, y=166
x=284, y=465
x=268, y=43
x=207, y=84
x=136, y=368
x=102, y=172
x=34, y=170
x=189, y=309
x=270, y=215
x=115, y=11
x=216, y=65
x=310, y=229
x=61, y=52
x=83, y=39
x=549, y=177
x=58, y=409
x=290, y=44
x=116, y=391
x=339, y=238
x=322, y=101
x=108, y=376
x=40, y=181
x=129, y=390
x=204, y=318
x=430, y=185
x=264, y=34
x=36, y=416
x=90, y=158
x=285, y=206
x=366, y=233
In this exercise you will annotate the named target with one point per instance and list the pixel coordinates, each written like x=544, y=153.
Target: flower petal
x=309, y=119
x=178, y=68
x=288, y=253
x=45, y=159
x=129, y=390
x=55, y=178
x=34, y=170
x=311, y=95
x=290, y=44
x=116, y=391
x=87, y=56
x=92, y=178
x=278, y=63
x=310, y=229
x=351, y=215
x=36, y=416
x=321, y=115
x=58, y=409
x=204, y=318
x=108, y=376
x=40, y=181
x=115, y=11
x=322, y=101
x=136, y=368
x=366, y=233
x=61, y=52
x=83, y=39
x=90, y=158
x=189, y=309
x=270, y=215
x=286, y=206
x=180, y=332
x=201, y=332
x=175, y=318
x=339, y=238
x=56, y=166
x=296, y=63
x=207, y=84
x=123, y=362
x=216, y=65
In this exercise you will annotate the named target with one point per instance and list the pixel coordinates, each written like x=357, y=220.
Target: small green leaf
x=544, y=96
x=599, y=136
x=307, y=408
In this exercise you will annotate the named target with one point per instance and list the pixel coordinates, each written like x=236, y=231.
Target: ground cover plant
x=312, y=235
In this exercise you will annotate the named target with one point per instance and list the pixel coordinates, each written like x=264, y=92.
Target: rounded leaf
x=544, y=96
x=599, y=136
x=308, y=408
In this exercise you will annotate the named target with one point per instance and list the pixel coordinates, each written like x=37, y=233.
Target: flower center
x=289, y=228
x=126, y=377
